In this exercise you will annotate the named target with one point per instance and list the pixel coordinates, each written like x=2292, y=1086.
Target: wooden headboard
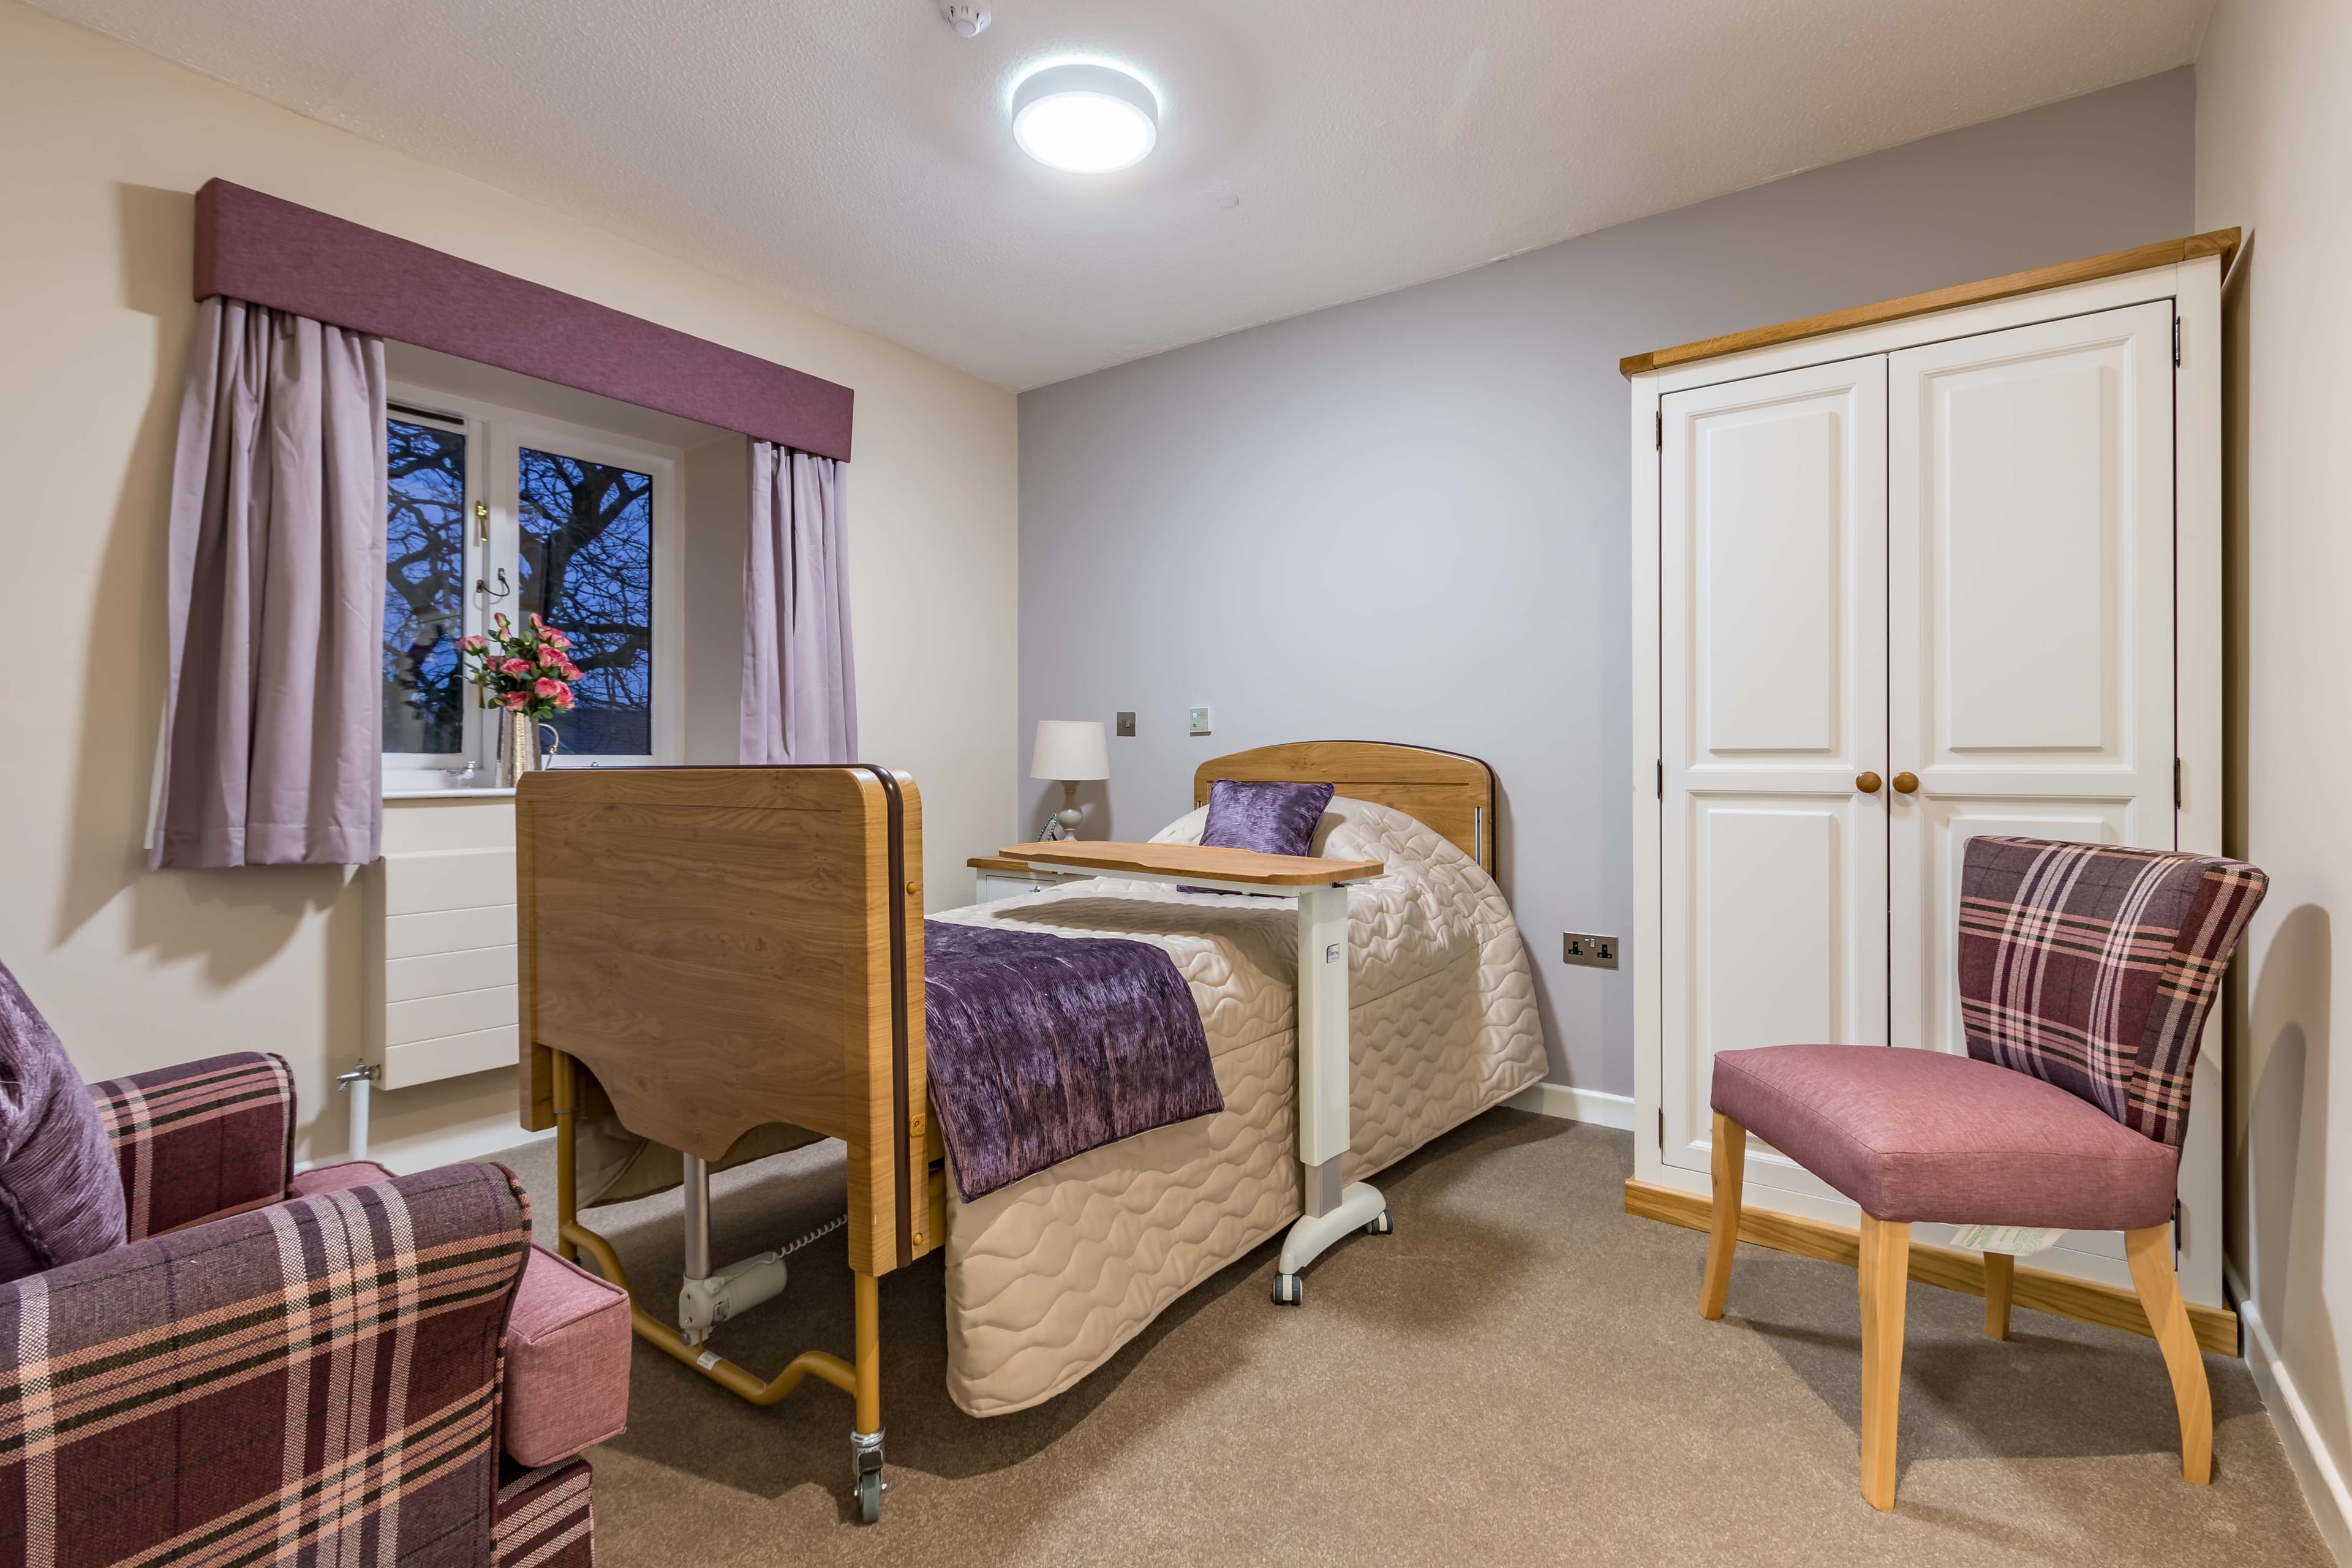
x=1453, y=793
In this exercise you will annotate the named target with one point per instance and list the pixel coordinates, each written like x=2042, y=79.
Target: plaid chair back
x=2092, y=967
x=200, y=1139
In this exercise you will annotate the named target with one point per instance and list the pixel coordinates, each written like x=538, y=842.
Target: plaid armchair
x=275, y=1368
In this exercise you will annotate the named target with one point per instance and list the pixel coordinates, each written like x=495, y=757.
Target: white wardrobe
x=1894, y=585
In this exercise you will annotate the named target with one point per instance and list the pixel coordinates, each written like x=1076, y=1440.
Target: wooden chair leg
x=1885, y=1270
x=2001, y=1279
x=1729, y=1161
x=2150, y=1254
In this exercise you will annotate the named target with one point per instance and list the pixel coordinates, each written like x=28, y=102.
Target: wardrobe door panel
x=2031, y=618
x=2025, y=595
x=1772, y=664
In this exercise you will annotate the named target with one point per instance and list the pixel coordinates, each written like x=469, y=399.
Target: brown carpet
x=1519, y=1374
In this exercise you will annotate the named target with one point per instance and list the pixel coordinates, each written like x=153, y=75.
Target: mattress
x=1047, y=1277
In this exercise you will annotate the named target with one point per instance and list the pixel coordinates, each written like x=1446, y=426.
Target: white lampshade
x=1070, y=749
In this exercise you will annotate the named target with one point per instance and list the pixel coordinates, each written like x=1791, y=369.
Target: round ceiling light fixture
x=1086, y=119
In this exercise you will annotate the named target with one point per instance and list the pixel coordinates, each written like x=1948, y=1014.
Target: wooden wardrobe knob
x=1905, y=782
x=1867, y=783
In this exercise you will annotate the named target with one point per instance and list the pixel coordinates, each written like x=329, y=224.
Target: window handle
x=481, y=522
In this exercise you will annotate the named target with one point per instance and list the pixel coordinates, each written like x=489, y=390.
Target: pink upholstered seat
x=567, y=1362
x=340, y=1178
x=1921, y=1135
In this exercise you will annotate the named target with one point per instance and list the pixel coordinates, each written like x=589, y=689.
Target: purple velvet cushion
x=60, y=1196
x=1275, y=818
x=1920, y=1135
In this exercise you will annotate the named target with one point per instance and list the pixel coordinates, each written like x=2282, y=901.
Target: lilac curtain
x=800, y=690
x=273, y=716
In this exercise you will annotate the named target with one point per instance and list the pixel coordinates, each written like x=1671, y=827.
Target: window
x=588, y=567
x=423, y=590
x=490, y=510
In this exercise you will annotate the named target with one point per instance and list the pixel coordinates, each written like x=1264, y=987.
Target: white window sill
x=449, y=792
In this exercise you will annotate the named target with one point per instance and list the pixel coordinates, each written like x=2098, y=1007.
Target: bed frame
x=1450, y=792
x=724, y=948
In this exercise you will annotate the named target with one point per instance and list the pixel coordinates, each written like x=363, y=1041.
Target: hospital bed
x=720, y=952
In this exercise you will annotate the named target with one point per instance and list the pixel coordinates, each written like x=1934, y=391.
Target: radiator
x=441, y=968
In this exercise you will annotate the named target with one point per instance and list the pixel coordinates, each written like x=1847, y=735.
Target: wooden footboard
x=725, y=947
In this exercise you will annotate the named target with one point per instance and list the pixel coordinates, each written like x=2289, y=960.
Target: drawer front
x=993, y=885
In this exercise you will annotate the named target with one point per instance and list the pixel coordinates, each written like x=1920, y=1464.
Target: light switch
x=1126, y=724
x=1200, y=721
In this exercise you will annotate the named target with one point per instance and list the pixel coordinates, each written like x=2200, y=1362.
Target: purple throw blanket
x=1042, y=1046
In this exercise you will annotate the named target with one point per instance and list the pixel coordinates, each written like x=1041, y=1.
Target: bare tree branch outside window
x=587, y=535
x=423, y=590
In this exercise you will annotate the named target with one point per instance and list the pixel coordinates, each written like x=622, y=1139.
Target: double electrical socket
x=1583, y=947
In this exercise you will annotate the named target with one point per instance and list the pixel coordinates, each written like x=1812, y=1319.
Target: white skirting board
x=420, y=1152
x=2323, y=1490
x=1596, y=1105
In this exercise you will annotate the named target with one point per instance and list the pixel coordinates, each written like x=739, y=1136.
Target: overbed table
x=1332, y=1208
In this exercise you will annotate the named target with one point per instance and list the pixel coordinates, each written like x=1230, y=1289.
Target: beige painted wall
x=2274, y=155
x=100, y=149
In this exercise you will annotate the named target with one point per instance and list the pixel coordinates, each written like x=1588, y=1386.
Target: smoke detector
x=968, y=21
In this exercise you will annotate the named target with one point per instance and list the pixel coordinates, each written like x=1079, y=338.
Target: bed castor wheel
x=1288, y=1290
x=866, y=1468
x=1383, y=1225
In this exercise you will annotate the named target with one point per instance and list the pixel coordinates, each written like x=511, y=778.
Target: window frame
x=413, y=771
x=496, y=436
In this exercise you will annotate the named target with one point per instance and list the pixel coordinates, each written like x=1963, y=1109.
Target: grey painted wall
x=1404, y=519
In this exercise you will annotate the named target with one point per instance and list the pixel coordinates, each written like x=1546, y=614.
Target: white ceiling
x=854, y=155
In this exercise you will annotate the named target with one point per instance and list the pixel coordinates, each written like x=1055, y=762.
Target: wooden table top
x=1194, y=860
x=998, y=863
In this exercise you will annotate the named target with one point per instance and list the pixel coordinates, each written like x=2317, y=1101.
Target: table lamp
x=1070, y=750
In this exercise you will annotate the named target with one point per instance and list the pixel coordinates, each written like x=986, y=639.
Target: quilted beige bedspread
x=1048, y=1276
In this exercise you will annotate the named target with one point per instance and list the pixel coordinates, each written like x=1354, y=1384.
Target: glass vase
x=518, y=747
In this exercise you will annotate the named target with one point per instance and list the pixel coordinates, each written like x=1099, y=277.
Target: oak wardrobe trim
x=2220, y=242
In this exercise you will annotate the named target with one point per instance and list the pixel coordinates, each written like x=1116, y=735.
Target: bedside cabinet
x=995, y=877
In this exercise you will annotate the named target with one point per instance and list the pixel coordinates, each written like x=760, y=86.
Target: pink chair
x=2087, y=972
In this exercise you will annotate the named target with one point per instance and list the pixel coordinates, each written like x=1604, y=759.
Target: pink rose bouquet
x=530, y=669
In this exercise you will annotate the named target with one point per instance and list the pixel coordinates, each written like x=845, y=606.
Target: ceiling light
x=1087, y=119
